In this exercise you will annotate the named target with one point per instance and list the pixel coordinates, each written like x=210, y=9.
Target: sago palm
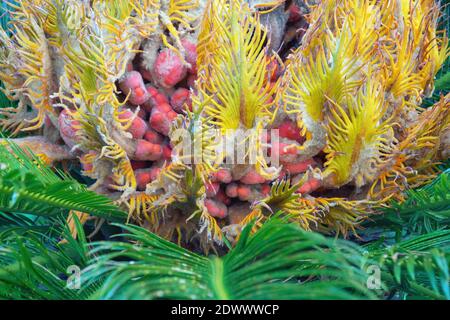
x=123, y=123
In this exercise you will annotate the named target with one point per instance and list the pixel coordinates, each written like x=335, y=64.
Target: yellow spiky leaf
x=357, y=137
x=237, y=66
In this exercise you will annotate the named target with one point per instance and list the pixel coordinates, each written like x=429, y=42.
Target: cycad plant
x=105, y=195
x=278, y=261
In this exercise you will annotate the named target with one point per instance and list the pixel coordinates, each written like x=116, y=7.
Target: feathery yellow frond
x=414, y=160
x=328, y=68
x=357, y=137
x=341, y=216
x=141, y=205
x=181, y=11
x=283, y=197
x=237, y=69
x=125, y=24
x=33, y=67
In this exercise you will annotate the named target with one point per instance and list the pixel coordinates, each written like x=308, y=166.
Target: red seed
x=283, y=151
x=132, y=84
x=153, y=137
x=252, y=177
x=311, y=185
x=138, y=126
x=288, y=129
x=156, y=98
x=164, y=107
x=143, y=177
x=232, y=190
x=222, y=175
x=156, y=120
x=222, y=197
x=161, y=99
x=157, y=149
x=125, y=114
x=172, y=115
x=212, y=188
x=169, y=69
x=181, y=99
x=159, y=122
x=295, y=168
x=155, y=173
x=167, y=152
x=147, y=151
x=161, y=118
x=216, y=208
x=131, y=80
x=244, y=192
x=151, y=90
x=139, y=92
x=286, y=149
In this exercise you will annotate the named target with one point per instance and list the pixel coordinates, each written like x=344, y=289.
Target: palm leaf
x=29, y=186
x=35, y=265
x=425, y=210
x=22, y=223
x=416, y=267
x=279, y=261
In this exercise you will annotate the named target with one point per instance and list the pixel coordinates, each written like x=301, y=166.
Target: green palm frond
x=29, y=186
x=425, y=210
x=412, y=242
x=417, y=267
x=36, y=265
x=279, y=261
x=443, y=83
x=22, y=223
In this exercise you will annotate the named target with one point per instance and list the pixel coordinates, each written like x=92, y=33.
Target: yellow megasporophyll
x=115, y=84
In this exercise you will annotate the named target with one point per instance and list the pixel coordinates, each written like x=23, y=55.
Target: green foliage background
x=409, y=244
